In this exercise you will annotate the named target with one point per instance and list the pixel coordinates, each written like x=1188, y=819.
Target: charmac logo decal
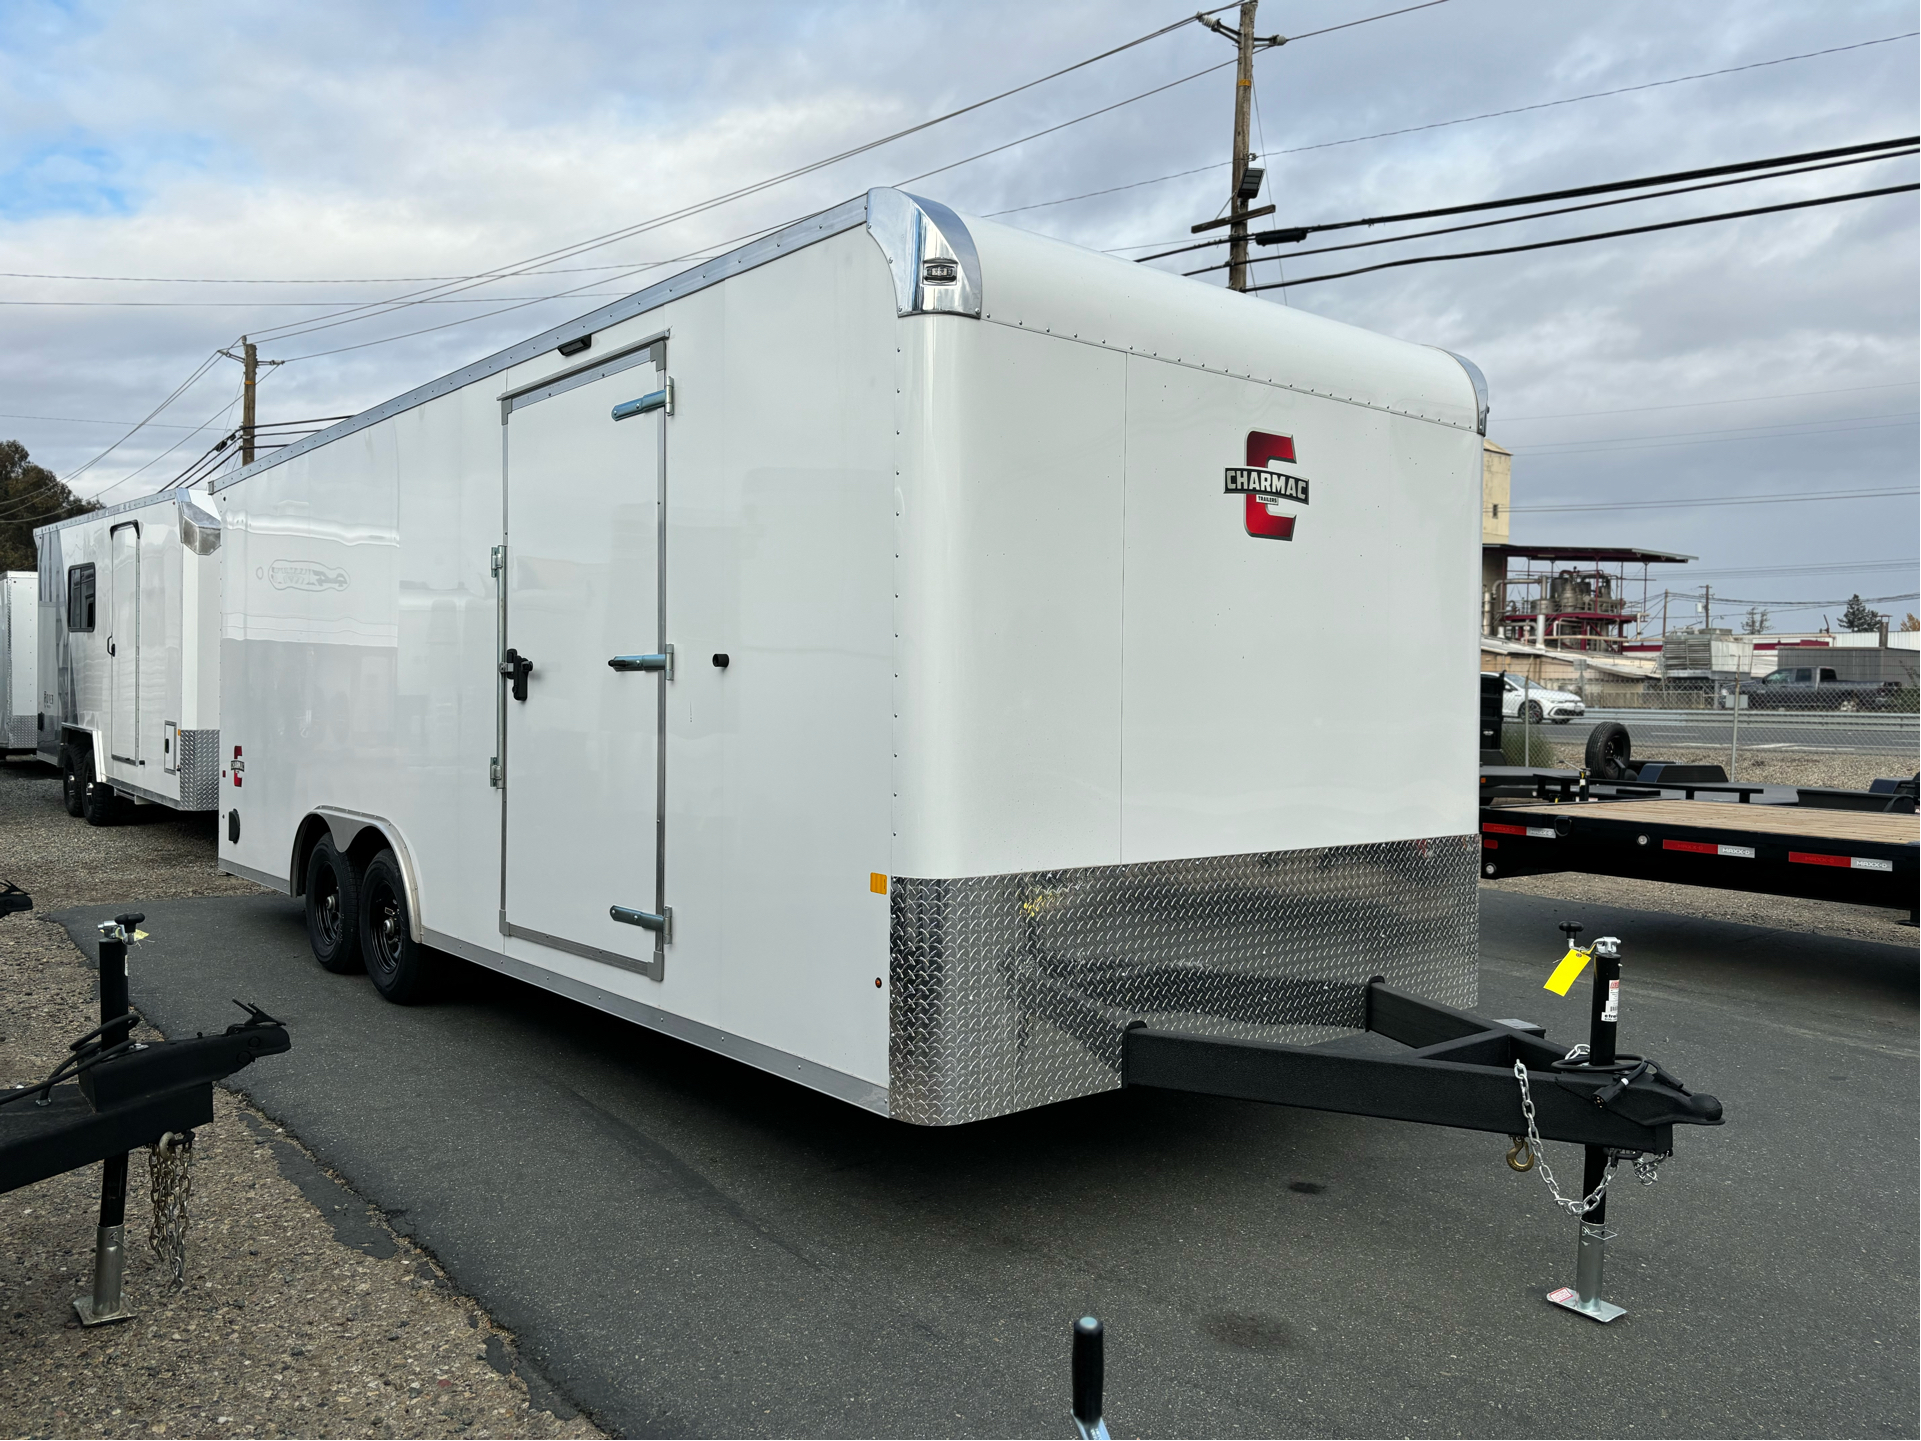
x=305, y=575
x=1266, y=489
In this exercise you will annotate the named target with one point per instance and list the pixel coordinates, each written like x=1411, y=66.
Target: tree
x=30, y=496
x=1913, y=622
x=1756, y=621
x=1858, y=617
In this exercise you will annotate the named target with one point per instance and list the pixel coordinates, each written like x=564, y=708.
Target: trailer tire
x=72, y=785
x=1608, y=749
x=403, y=971
x=333, y=909
x=98, y=803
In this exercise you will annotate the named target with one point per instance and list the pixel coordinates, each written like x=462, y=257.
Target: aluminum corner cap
x=936, y=269
x=1480, y=388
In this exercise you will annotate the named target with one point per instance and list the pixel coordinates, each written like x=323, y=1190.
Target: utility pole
x=1247, y=178
x=250, y=365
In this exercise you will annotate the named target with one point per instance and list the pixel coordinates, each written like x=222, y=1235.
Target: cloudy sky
x=204, y=156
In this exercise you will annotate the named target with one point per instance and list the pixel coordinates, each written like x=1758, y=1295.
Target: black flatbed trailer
x=1861, y=847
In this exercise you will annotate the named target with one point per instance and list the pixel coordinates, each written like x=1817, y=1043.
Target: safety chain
x=1528, y=1154
x=170, y=1178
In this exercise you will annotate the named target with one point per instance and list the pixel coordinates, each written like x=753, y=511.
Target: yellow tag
x=1565, y=974
x=140, y=935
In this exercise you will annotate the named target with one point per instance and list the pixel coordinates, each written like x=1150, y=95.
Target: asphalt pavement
x=688, y=1246
x=1896, y=736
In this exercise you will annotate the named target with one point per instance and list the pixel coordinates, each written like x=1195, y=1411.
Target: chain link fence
x=1837, y=734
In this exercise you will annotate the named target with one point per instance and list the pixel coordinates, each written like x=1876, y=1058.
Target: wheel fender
x=84, y=735
x=346, y=827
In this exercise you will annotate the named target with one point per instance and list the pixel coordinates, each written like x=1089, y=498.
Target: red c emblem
x=1261, y=448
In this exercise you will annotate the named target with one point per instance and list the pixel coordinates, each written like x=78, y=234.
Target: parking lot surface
x=685, y=1245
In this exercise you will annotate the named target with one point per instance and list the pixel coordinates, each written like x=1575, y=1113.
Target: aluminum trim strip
x=848, y=215
x=626, y=358
x=159, y=497
x=838, y=1084
x=650, y=969
x=248, y=873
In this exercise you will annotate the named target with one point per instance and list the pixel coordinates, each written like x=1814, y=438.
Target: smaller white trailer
x=129, y=656
x=19, y=681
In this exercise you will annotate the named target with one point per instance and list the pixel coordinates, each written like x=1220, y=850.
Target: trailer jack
x=1473, y=1074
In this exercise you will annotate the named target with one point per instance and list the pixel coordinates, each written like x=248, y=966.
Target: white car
x=1539, y=702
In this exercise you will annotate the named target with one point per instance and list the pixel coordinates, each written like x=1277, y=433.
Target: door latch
x=663, y=662
x=516, y=667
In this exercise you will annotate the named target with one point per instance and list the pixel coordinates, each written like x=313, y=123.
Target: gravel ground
x=302, y=1312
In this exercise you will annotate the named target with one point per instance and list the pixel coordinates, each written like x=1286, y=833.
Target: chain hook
x=1520, y=1156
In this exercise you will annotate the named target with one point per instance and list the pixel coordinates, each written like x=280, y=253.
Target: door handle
x=663, y=662
x=517, y=668
x=110, y=649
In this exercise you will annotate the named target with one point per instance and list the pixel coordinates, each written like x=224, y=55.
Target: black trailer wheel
x=1532, y=710
x=73, y=785
x=98, y=803
x=401, y=970
x=333, y=909
x=1608, y=749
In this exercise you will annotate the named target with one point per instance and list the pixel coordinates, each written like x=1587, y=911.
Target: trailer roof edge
x=156, y=498
x=827, y=223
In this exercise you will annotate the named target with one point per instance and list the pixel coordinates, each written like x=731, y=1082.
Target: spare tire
x=1608, y=749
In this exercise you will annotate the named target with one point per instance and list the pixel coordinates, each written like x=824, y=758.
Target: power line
x=687, y=211
x=1599, y=235
x=1541, y=214
x=276, y=304
x=1832, y=567
x=1783, y=498
x=318, y=280
x=1461, y=120
x=85, y=420
x=1731, y=400
x=286, y=332
x=1781, y=431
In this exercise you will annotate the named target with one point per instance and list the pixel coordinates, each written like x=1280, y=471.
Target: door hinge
x=497, y=560
x=493, y=772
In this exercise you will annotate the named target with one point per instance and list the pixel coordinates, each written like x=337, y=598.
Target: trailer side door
x=123, y=647
x=581, y=737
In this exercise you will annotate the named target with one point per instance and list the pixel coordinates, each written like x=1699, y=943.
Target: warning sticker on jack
x=1611, y=1008
x=1565, y=1293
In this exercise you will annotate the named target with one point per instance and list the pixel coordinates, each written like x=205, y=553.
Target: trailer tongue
x=1474, y=1074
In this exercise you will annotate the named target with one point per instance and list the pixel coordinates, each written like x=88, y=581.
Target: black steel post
x=1605, y=1015
x=1604, y=1021
x=1089, y=1367
x=110, y=1250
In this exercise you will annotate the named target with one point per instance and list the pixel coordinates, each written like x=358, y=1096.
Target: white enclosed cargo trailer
x=19, y=676
x=129, y=665
x=898, y=654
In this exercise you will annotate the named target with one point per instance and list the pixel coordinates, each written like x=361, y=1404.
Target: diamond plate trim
x=1012, y=991
x=199, y=770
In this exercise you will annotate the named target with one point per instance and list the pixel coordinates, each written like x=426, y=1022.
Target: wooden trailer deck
x=1802, y=822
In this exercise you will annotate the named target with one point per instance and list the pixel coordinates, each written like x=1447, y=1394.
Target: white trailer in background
x=19, y=678
x=129, y=673
x=897, y=654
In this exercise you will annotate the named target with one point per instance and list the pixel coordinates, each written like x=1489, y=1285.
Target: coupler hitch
x=1470, y=1073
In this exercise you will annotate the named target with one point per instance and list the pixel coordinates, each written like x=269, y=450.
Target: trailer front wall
x=1139, y=776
